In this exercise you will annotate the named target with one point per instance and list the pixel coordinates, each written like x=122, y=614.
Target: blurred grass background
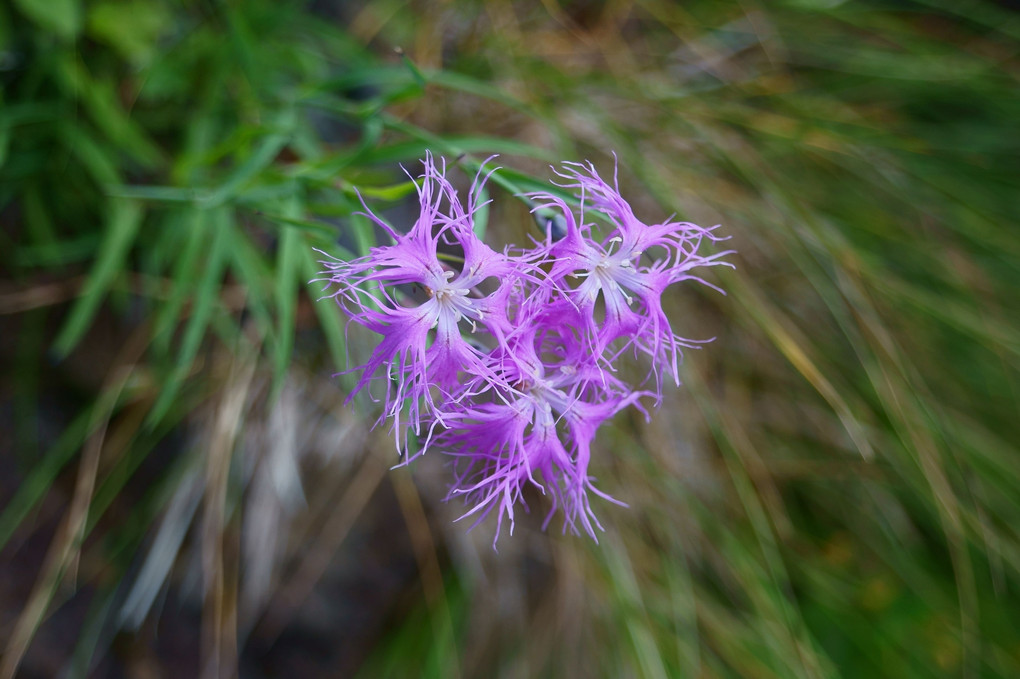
x=834, y=492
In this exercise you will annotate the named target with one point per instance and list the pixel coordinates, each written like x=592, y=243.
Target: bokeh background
x=833, y=492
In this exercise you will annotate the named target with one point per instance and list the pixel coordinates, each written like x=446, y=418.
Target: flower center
x=453, y=302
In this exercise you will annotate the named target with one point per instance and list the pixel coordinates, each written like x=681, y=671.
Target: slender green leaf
x=97, y=158
x=62, y=17
x=132, y=27
x=481, y=216
x=122, y=227
x=252, y=269
x=330, y=320
x=161, y=194
x=97, y=632
x=264, y=154
x=204, y=305
x=101, y=101
x=416, y=72
x=288, y=262
x=40, y=479
x=194, y=228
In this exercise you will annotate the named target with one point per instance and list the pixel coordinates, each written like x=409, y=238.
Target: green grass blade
x=43, y=474
x=194, y=225
x=203, y=307
x=62, y=17
x=288, y=263
x=122, y=228
x=331, y=323
x=264, y=154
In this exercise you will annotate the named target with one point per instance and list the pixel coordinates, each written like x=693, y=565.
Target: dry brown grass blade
x=219, y=612
x=371, y=19
x=24, y=299
x=291, y=594
x=65, y=549
x=60, y=557
x=425, y=554
x=40, y=295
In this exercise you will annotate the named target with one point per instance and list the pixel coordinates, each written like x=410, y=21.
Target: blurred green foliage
x=852, y=502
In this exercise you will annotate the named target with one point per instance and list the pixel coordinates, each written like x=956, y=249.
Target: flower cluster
x=505, y=361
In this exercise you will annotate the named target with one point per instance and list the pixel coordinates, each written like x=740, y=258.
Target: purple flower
x=628, y=269
x=539, y=432
x=508, y=360
x=422, y=347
